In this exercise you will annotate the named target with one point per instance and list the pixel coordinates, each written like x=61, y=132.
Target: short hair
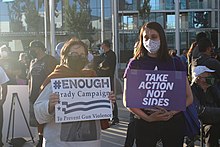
x=201, y=35
x=204, y=43
x=37, y=44
x=107, y=43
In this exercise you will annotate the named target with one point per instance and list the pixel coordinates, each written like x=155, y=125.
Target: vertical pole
x=102, y=20
x=114, y=33
x=177, y=29
x=46, y=24
x=52, y=28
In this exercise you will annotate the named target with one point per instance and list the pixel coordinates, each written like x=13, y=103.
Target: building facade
x=194, y=16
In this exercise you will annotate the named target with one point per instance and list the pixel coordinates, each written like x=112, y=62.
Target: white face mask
x=101, y=50
x=151, y=46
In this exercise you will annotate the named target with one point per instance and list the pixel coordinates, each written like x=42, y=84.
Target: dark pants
x=115, y=112
x=129, y=141
x=1, y=124
x=170, y=132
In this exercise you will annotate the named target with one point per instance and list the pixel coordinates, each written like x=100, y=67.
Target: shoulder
x=50, y=60
x=132, y=64
x=89, y=73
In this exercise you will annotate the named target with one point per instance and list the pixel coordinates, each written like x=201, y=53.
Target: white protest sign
x=82, y=99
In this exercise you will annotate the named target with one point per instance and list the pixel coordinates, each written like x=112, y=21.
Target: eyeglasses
x=76, y=54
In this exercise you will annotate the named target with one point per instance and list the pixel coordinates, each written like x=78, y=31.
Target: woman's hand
x=112, y=97
x=53, y=100
x=161, y=114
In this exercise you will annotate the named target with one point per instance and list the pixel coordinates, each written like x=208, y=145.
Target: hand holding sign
x=159, y=114
x=53, y=100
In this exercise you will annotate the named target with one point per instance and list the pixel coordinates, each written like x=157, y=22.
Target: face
x=151, y=41
x=151, y=34
x=32, y=52
x=77, y=50
x=205, y=79
x=76, y=58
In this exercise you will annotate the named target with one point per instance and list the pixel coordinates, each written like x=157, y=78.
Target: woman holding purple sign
x=158, y=123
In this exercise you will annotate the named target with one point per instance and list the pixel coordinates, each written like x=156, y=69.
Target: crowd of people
x=147, y=127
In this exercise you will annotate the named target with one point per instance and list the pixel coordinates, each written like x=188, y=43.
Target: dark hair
x=200, y=36
x=162, y=53
x=66, y=48
x=107, y=43
x=37, y=44
x=203, y=44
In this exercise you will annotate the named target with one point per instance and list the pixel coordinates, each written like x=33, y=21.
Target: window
x=128, y=22
x=200, y=19
x=170, y=21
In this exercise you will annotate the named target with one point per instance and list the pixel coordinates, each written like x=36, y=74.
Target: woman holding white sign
x=156, y=123
x=68, y=134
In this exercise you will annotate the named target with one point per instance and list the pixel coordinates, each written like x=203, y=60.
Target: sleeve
x=41, y=106
x=131, y=65
x=3, y=77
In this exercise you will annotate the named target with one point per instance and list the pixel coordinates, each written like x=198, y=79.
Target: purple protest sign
x=150, y=88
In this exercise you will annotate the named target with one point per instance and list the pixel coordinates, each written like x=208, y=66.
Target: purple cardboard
x=150, y=88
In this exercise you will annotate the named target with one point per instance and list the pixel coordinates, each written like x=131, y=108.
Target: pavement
x=116, y=134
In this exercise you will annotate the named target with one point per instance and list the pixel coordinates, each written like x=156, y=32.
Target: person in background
x=7, y=62
x=57, y=50
x=205, y=47
x=173, y=52
x=80, y=133
x=152, y=126
x=107, y=69
x=24, y=62
x=183, y=57
x=193, y=53
x=3, y=93
x=207, y=97
x=40, y=67
x=90, y=56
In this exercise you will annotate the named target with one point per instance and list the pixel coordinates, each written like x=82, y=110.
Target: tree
x=15, y=13
x=78, y=20
x=32, y=18
x=144, y=11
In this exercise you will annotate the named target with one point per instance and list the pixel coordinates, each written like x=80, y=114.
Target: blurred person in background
x=107, y=69
x=3, y=93
x=7, y=62
x=41, y=66
x=57, y=50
